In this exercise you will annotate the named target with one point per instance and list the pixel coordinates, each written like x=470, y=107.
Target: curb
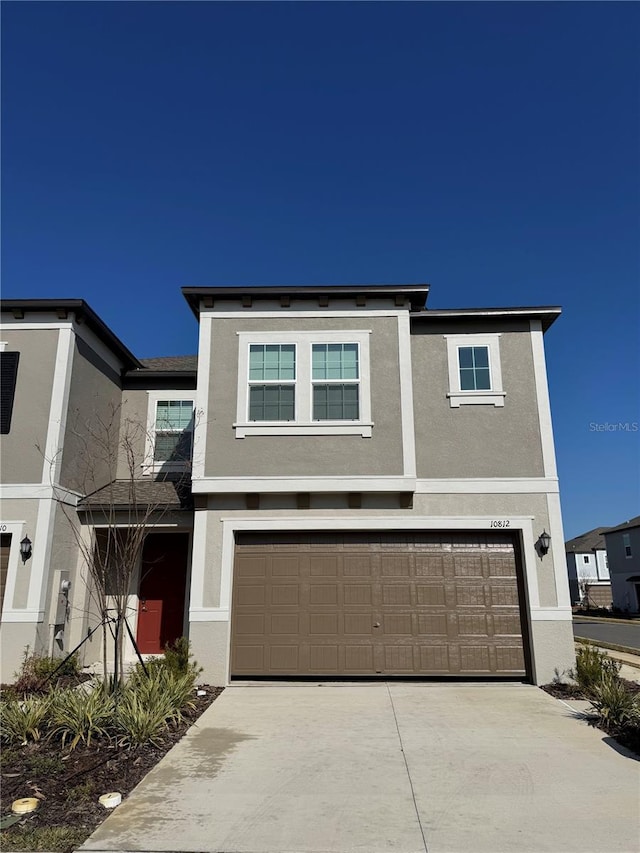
x=613, y=647
x=605, y=620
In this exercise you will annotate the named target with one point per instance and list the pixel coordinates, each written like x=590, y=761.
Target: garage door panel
x=325, y=566
x=396, y=594
x=323, y=623
x=362, y=604
x=285, y=594
x=398, y=625
x=432, y=624
x=356, y=623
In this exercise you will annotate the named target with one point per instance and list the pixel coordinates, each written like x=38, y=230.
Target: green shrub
x=178, y=658
x=25, y=719
x=36, y=669
x=592, y=667
x=140, y=721
x=161, y=683
x=78, y=715
x=616, y=705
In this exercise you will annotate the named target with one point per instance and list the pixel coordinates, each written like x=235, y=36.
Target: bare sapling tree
x=117, y=507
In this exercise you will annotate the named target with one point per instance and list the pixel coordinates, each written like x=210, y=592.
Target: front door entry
x=161, y=595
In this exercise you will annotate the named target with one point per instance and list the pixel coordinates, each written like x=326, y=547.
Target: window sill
x=314, y=428
x=476, y=398
x=165, y=468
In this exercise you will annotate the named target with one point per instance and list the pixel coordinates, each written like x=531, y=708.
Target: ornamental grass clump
x=24, y=720
x=143, y=716
x=617, y=707
x=81, y=715
x=592, y=668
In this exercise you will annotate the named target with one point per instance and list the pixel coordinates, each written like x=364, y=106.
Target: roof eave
x=83, y=313
x=416, y=293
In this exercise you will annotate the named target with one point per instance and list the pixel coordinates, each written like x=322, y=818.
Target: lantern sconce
x=543, y=543
x=25, y=549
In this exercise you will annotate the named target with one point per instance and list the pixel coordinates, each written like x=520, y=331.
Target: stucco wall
x=93, y=420
x=552, y=640
x=475, y=440
x=279, y=456
x=133, y=426
x=26, y=511
x=20, y=459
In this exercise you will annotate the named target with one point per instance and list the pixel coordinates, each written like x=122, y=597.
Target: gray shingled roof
x=171, y=362
x=592, y=540
x=165, y=494
x=627, y=525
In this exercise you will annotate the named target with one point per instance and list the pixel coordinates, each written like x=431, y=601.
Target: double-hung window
x=170, y=428
x=475, y=375
x=336, y=382
x=304, y=383
x=272, y=377
x=626, y=544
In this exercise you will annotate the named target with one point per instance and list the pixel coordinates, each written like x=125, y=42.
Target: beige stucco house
x=347, y=484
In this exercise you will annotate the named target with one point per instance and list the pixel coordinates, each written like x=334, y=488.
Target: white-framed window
x=170, y=425
x=475, y=374
x=304, y=383
x=585, y=558
x=626, y=544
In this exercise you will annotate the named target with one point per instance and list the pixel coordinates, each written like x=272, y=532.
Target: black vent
x=8, y=373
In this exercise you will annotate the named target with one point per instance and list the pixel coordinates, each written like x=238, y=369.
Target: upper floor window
x=626, y=544
x=170, y=427
x=174, y=431
x=585, y=558
x=8, y=376
x=474, y=368
x=335, y=378
x=475, y=374
x=272, y=375
x=304, y=383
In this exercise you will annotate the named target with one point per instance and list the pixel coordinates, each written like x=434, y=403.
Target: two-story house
x=623, y=549
x=373, y=488
x=588, y=569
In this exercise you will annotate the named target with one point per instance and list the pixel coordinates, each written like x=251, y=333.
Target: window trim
x=149, y=464
x=304, y=423
x=626, y=544
x=456, y=395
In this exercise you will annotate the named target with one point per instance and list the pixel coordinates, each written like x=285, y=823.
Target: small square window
x=475, y=375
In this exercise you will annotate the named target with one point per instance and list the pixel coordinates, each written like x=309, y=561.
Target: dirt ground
x=68, y=782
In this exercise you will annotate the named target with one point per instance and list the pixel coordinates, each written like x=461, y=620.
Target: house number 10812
x=501, y=522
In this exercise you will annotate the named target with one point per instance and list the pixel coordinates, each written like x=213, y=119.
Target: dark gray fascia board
x=416, y=293
x=547, y=314
x=84, y=313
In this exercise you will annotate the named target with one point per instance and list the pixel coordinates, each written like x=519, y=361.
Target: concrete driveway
x=375, y=768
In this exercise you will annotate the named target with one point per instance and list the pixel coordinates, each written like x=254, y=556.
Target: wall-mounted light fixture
x=25, y=549
x=543, y=543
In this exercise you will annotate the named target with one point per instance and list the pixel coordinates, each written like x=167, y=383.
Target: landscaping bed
x=88, y=741
x=615, y=701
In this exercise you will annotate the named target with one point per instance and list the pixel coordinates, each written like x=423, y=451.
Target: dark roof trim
x=149, y=373
x=83, y=313
x=547, y=314
x=627, y=525
x=416, y=293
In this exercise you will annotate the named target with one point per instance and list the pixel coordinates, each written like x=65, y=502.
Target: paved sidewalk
x=403, y=768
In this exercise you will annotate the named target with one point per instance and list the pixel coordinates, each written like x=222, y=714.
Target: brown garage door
x=409, y=603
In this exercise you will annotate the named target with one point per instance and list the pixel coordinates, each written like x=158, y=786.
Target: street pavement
x=616, y=632
x=384, y=768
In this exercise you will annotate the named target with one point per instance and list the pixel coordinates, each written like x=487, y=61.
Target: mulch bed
x=69, y=782
x=628, y=737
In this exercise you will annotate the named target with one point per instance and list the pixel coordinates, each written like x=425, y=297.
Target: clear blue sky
x=489, y=149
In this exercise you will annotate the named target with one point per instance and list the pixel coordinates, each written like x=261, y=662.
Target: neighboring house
x=588, y=569
x=368, y=486
x=623, y=549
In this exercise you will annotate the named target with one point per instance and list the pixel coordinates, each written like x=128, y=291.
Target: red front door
x=161, y=594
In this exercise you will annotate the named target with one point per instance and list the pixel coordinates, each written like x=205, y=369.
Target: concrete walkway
x=376, y=768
